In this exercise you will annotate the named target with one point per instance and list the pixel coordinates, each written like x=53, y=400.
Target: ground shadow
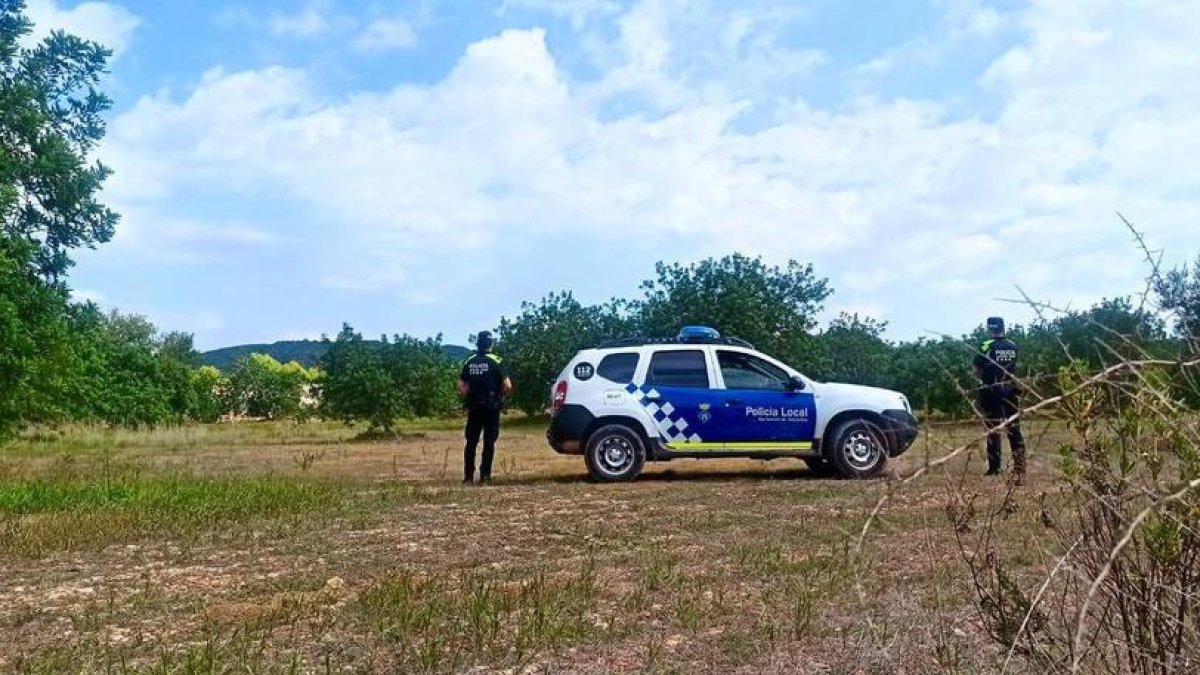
x=674, y=476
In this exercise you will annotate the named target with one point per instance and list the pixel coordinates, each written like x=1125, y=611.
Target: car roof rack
x=644, y=341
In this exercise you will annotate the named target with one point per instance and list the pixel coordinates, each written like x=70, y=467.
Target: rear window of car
x=618, y=368
x=678, y=369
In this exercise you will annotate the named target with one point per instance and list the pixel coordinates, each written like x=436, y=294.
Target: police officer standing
x=484, y=384
x=996, y=367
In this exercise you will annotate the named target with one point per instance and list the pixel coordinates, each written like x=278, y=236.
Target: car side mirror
x=796, y=383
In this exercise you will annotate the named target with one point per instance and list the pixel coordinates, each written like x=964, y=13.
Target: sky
x=424, y=166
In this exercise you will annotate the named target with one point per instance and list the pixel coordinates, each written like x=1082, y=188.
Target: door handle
x=653, y=397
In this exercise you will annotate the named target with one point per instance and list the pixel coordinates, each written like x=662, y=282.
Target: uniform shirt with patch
x=997, y=361
x=484, y=375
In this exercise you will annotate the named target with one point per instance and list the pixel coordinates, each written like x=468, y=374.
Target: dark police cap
x=484, y=340
x=995, y=323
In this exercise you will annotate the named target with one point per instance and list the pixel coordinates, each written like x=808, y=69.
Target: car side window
x=744, y=371
x=618, y=368
x=678, y=369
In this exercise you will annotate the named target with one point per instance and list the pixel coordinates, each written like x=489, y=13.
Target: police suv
x=700, y=395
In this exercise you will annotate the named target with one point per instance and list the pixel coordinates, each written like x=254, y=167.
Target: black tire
x=819, y=466
x=615, y=454
x=859, y=449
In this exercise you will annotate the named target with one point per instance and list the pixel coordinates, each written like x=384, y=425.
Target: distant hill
x=305, y=352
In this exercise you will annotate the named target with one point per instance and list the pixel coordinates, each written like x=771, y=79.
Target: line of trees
x=775, y=308
x=117, y=369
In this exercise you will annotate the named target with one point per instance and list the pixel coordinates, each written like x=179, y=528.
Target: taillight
x=560, y=395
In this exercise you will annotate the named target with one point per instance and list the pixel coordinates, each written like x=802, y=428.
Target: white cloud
x=671, y=53
x=108, y=23
x=1096, y=111
x=578, y=11
x=963, y=25
x=385, y=35
x=315, y=19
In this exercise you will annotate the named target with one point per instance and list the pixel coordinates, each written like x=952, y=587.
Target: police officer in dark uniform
x=996, y=367
x=484, y=384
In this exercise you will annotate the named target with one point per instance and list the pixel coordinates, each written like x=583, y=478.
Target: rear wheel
x=615, y=454
x=859, y=449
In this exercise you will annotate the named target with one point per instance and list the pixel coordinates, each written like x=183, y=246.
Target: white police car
x=700, y=395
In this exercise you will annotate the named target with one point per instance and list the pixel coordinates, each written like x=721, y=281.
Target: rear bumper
x=900, y=429
x=567, y=429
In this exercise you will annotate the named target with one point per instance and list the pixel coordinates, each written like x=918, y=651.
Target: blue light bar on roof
x=698, y=333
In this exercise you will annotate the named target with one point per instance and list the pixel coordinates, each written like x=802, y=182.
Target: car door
x=677, y=394
x=757, y=407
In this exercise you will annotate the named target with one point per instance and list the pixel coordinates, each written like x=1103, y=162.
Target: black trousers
x=998, y=407
x=481, y=422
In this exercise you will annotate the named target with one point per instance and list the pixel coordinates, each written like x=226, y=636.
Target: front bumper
x=567, y=429
x=900, y=429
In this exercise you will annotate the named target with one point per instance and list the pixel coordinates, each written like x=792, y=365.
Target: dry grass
x=297, y=549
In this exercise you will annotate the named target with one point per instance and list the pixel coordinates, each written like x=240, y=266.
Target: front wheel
x=615, y=454
x=859, y=449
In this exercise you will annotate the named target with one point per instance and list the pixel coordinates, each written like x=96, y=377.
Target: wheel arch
x=634, y=424
x=843, y=417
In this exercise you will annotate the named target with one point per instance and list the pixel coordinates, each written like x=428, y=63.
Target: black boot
x=993, y=471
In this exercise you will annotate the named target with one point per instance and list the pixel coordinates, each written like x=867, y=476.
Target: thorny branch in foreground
x=1119, y=584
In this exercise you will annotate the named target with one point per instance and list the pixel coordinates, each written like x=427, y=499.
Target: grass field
x=294, y=548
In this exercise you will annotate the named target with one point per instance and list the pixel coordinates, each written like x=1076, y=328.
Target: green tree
x=206, y=402
x=1179, y=293
x=1110, y=330
x=934, y=373
x=34, y=345
x=538, y=342
x=260, y=386
x=179, y=347
x=423, y=374
x=773, y=307
x=852, y=349
x=51, y=118
x=355, y=384
x=50, y=121
x=384, y=382
x=118, y=376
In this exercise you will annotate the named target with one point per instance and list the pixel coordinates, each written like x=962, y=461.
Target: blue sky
x=425, y=166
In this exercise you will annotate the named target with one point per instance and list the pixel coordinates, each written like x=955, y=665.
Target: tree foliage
x=208, y=395
x=122, y=372
x=50, y=121
x=539, y=342
x=259, y=386
x=773, y=307
x=383, y=382
x=1179, y=293
x=34, y=343
x=852, y=349
x=51, y=118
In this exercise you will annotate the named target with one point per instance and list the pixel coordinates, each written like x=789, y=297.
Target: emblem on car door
x=705, y=413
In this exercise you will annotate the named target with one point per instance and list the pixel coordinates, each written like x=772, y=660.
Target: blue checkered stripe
x=673, y=427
